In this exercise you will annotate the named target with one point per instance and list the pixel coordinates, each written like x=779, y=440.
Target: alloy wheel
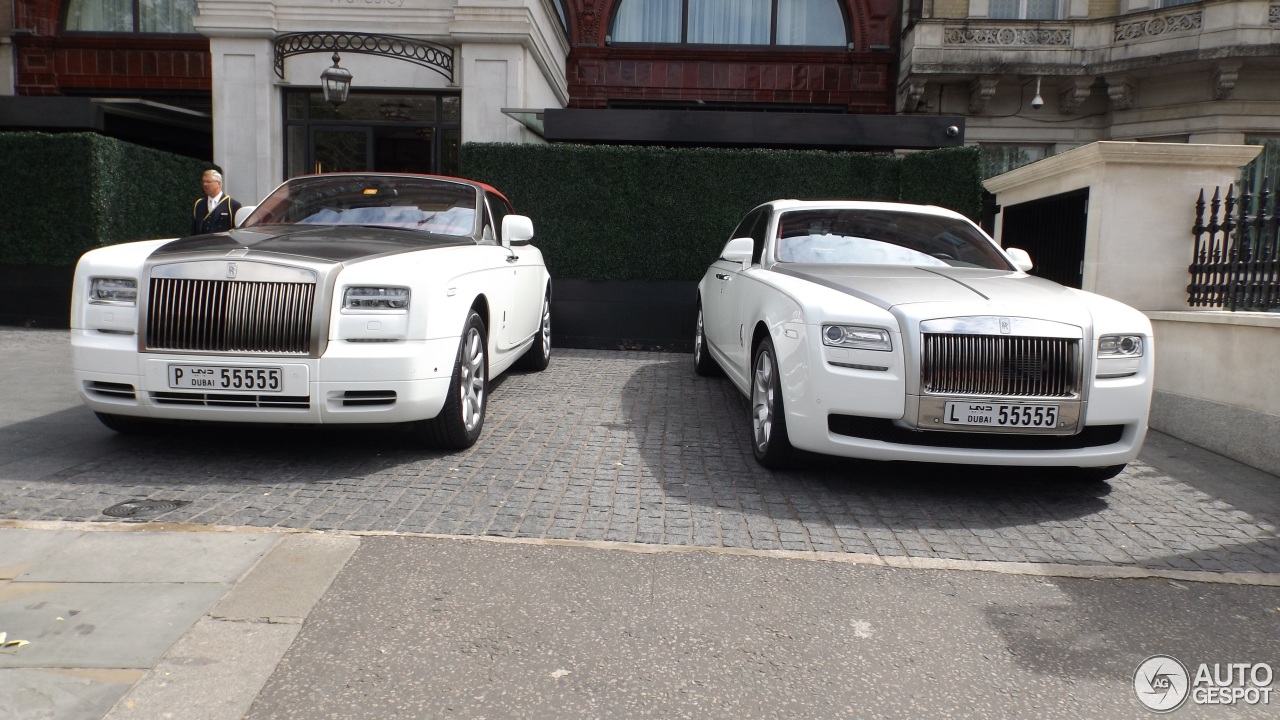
x=472, y=385
x=762, y=400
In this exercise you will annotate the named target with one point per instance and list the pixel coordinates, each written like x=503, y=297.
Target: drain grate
x=134, y=508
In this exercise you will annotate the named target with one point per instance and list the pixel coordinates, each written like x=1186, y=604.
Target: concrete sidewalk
x=148, y=622
x=100, y=610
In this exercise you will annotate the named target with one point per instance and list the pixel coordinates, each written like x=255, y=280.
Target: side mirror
x=244, y=213
x=1020, y=258
x=516, y=230
x=738, y=250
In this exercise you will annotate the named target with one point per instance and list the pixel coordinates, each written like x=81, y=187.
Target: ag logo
x=1161, y=683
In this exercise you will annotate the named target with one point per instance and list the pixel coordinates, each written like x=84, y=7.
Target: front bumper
x=365, y=382
x=859, y=413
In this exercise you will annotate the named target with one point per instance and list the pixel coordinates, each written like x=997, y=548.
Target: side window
x=495, y=208
x=758, y=235
x=500, y=209
x=746, y=226
x=488, y=233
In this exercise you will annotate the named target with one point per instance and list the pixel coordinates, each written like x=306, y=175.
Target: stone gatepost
x=1142, y=196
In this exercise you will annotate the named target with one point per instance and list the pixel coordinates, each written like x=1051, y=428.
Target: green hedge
x=63, y=194
x=643, y=213
x=950, y=178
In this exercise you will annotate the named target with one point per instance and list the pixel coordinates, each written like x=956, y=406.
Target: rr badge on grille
x=231, y=275
x=1006, y=326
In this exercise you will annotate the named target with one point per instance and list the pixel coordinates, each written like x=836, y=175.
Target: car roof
x=782, y=205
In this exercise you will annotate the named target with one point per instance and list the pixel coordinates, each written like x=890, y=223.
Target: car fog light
x=375, y=298
x=1120, y=346
x=113, y=291
x=858, y=338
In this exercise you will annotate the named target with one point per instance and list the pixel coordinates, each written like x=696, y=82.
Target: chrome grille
x=1000, y=365
x=230, y=316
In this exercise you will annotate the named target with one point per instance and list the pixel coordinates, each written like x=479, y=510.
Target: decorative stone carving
x=1076, y=92
x=1120, y=91
x=1274, y=18
x=980, y=91
x=913, y=95
x=1224, y=80
x=1007, y=36
x=1164, y=25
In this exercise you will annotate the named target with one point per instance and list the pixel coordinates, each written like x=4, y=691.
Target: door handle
x=512, y=258
x=721, y=276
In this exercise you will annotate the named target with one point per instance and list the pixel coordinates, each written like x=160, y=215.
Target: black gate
x=1052, y=230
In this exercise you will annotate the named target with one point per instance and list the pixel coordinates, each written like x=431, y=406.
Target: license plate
x=220, y=378
x=1002, y=415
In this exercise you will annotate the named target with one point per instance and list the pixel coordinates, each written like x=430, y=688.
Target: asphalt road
x=608, y=550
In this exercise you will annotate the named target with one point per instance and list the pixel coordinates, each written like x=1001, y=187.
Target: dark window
x=818, y=23
x=373, y=131
x=167, y=17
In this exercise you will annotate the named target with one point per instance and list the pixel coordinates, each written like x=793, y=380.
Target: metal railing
x=1236, y=265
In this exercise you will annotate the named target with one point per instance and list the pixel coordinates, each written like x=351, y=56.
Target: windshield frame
x=975, y=244
x=340, y=193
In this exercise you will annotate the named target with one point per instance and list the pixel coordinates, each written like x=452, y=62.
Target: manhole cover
x=134, y=508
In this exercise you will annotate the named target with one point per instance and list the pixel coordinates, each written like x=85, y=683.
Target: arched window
x=816, y=23
x=131, y=16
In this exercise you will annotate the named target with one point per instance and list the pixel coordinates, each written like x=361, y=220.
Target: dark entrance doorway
x=389, y=132
x=1052, y=230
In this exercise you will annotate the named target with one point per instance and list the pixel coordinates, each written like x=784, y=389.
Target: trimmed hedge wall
x=63, y=194
x=950, y=178
x=646, y=213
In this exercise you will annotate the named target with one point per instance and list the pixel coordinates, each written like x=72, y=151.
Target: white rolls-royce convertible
x=341, y=298
x=887, y=331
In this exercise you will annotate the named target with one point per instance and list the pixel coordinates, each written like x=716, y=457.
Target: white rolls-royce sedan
x=341, y=298
x=887, y=331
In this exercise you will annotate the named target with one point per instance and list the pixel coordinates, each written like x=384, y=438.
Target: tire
x=538, y=356
x=460, y=421
x=1090, y=474
x=769, y=438
x=124, y=424
x=703, y=363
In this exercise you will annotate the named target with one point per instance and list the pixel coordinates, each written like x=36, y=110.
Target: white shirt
x=213, y=201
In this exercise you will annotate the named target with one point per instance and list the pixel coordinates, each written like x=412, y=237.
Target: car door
x=719, y=308
x=734, y=296
x=518, y=320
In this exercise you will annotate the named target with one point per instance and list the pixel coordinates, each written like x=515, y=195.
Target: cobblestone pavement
x=630, y=447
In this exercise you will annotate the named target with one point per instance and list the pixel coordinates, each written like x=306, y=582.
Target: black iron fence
x=1236, y=265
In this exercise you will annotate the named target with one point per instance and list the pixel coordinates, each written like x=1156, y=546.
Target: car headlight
x=113, y=291
x=375, y=298
x=858, y=338
x=1120, y=346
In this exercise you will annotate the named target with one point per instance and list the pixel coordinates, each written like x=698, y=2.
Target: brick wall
x=861, y=81
x=49, y=63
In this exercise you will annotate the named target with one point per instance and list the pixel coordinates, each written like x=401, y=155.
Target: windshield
x=434, y=205
x=883, y=237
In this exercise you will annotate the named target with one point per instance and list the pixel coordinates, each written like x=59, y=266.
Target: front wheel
x=768, y=422
x=703, y=363
x=538, y=356
x=458, y=425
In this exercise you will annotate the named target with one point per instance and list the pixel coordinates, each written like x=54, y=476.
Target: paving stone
x=633, y=447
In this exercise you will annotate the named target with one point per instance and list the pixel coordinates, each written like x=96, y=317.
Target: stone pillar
x=1138, y=241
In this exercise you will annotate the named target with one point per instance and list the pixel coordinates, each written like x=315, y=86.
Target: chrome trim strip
x=992, y=325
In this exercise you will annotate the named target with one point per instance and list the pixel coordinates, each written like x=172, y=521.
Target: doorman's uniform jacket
x=219, y=218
